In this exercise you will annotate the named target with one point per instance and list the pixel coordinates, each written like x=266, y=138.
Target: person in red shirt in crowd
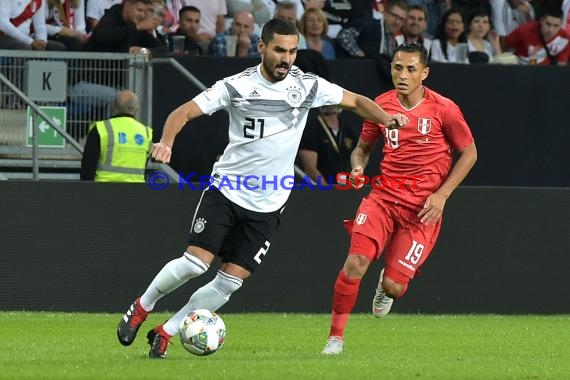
x=402, y=216
x=542, y=42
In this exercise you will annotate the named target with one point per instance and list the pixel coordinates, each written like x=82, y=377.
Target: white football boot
x=333, y=346
x=381, y=303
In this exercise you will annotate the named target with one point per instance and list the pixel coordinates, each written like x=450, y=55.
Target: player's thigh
x=213, y=221
x=374, y=221
x=411, y=245
x=248, y=243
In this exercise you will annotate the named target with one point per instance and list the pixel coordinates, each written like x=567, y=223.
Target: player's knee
x=201, y=253
x=394, y=289
x=395, y=284
x=356, y=266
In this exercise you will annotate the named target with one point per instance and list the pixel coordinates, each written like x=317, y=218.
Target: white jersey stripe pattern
x=266, y=125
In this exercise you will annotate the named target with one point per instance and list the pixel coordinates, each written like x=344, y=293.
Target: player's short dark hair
x=553, y=11
x=187, y=8
x=277, y=26
x=413, y=47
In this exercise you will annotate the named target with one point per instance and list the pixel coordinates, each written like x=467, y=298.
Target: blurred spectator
x=326, y=146
x=124, y=28
x=189, y=24
x=483, y=42
x=414, y=28
x=541, y=42
x=16, y=22
x=262, y=10
x=96, y=9
x=65, y=23
x=157, y=12
x=171, y=15
x=287, y=10
x=507, y=15
x=314, y=28
x=468, y=7
x=366, y=37
x=117, y=149
x=435, y=10
x=238, y=40
x=450, y=44
x=566, y=16
x=212, y=19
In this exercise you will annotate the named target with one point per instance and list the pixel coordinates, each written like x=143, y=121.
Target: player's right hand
x=161, y=152
x=397, y=121
x=357, y=178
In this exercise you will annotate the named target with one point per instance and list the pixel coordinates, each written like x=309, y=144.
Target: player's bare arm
x=369, y=110
x=174, y=123
x=433, y=207
x=358, y=161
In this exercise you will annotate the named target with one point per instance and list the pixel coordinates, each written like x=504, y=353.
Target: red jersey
x=417, y=157
x=528, y=35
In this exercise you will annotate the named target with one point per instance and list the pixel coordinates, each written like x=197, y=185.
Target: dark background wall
x=94, y=247
x=518, y=115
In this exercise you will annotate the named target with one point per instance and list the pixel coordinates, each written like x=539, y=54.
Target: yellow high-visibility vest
x=125, y=146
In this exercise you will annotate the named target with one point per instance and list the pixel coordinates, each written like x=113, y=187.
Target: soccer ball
x=202, y=332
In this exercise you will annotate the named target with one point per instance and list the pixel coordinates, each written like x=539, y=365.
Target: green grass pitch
x=43, y=345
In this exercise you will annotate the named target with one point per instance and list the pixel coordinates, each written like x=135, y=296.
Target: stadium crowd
x=457, y=31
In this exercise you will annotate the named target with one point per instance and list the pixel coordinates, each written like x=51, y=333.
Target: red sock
x=344, y=298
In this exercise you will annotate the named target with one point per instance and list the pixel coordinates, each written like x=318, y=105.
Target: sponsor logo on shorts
x=409, y=266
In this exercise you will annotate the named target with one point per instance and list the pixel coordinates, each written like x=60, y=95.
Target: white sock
x=171, y=276
x=211, y=296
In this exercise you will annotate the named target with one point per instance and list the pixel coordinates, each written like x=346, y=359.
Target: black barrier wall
x=94, y=247
x=517, y=115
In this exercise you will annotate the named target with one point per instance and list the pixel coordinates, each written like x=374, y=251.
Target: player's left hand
x=396, y=121
x=433, y=208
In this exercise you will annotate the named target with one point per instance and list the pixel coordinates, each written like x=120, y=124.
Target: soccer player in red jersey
x=402, y=220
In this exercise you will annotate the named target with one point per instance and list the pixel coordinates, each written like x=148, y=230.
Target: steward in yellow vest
x=117, y=149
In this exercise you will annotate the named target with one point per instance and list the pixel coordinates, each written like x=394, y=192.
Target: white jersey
x=266, y=125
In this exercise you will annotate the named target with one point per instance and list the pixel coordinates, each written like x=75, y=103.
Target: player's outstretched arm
x=369, y=110
x=174, y=123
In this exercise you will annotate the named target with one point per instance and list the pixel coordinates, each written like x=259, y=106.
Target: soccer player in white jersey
x=237, y=217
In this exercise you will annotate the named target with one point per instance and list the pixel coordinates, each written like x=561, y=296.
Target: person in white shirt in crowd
x=507, y=15
x=212, y=19
x=450, y=44
x=65, y=23
x=482, y=41
x=96, y=9
x=17, y=17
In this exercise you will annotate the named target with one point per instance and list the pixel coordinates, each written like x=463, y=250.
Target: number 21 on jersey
x=251, y=126
x=392, y=137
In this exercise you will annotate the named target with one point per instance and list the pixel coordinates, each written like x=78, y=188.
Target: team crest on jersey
x=200, y=225
x=424, y=125
x=294, y=95
x=361, y=218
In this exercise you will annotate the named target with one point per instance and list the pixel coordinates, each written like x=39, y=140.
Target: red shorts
x=382, y=226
